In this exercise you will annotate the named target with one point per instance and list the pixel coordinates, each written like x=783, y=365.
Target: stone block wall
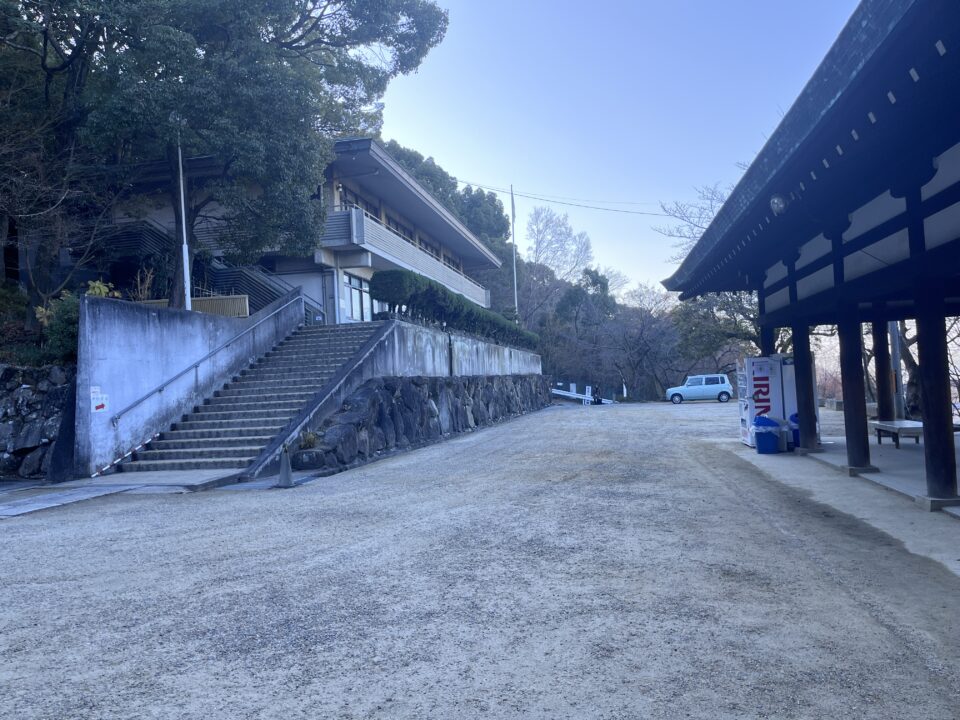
x=32, y=402
x=395, y=413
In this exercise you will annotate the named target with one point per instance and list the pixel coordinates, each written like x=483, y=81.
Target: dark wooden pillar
x=884, y=371
x=854, y=394
x=768, y=343
x=938, y=449
x=806, y=392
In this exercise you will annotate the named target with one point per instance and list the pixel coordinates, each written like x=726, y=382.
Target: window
x=452, y=262
x=429, y=247
x=353, y=199
x=713, y=380
x=358, y=291
x=400, y=229
x=694, y=381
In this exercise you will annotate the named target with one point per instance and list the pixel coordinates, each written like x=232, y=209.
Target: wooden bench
x=898, y=429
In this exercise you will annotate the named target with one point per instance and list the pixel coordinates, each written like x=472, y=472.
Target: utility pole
x=513, y=236
x=183, y=226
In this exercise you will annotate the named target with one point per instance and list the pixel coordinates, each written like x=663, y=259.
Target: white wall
x=127, y=350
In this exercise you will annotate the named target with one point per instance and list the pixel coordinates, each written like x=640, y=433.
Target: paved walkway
x=22, y=497
x=600, y=562
x=900, y=470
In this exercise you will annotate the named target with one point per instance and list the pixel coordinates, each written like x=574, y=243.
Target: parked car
x=701, y=387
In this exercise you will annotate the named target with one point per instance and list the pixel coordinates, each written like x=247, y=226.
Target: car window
x=694, y=381
x=713, y=380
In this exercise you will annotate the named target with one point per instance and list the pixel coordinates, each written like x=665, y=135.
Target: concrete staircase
x=230, y=429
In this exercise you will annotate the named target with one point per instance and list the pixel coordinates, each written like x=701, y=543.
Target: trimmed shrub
x=428, y=300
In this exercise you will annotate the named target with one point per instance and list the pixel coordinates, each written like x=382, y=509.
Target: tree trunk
x=912, y=385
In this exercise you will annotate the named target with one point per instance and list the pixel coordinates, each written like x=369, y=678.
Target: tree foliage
x=259, y=90
x=481, y=211
x=424, y=299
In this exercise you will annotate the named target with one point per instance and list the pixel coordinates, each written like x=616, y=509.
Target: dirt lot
x=603, y=562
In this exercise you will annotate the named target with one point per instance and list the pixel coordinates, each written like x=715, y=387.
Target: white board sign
x=98, y=400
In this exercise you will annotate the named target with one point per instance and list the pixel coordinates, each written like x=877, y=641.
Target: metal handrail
x=160, y=388
x=346, y=207
x=273, y=277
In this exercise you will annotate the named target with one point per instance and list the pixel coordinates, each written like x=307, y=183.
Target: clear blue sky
x=616, y=101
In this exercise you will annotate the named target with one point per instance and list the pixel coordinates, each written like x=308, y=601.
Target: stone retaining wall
x=396, y=413
x=32, y=401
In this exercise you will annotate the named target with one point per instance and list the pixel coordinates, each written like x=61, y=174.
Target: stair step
x=247, y=405
x=227, y=396
x=293, y=357
x=219, y=441
x=201, y=454
x=294, y=378
x=239, y=433
x=203, y=464
x=279, y=384
x=289, y=374
x=295, y=367
x=322, y=343
x=204, y=413
x=273, y=423
x=232, y=393
x=248, y=384
x=344, y=328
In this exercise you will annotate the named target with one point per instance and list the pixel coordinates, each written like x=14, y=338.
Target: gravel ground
x=603, y=562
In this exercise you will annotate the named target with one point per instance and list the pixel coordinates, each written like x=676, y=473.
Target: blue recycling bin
x=767, y=435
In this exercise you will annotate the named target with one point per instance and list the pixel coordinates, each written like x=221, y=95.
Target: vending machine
x=765, y=386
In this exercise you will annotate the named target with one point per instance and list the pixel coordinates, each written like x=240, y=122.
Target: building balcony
x=355, y=230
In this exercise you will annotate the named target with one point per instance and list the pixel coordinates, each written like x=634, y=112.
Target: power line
x=567, y=197
x=550, y=199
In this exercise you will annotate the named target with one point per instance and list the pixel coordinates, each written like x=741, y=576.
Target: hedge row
x=423, y=298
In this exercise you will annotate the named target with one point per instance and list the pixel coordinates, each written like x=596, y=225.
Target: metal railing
x=235, y=306
x=344, y=207
x=585, y=399
x=267, y=284
x=194, y=366
x=315, y=306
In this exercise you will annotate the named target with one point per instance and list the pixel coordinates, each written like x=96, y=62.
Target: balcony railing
x=355, y=226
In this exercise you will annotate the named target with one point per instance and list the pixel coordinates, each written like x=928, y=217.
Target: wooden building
x=850, y=214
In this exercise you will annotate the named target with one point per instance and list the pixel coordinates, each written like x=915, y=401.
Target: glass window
x=713, y=380
x=694, y=381
x=350, y=198
x=361, y=306
x=400, y=229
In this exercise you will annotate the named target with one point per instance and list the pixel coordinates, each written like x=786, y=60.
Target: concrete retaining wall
x=470, y=357
x=400, y=349
x=127, y=350
x=417, y=351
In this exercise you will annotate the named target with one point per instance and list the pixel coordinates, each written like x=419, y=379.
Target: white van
x=701, y=387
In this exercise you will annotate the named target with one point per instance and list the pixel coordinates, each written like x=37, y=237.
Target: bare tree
x=691, y=218
x=554, y=243
x=556, y=257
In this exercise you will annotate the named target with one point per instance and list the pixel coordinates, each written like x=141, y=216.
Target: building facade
x=851, y=215
x=380, y=218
